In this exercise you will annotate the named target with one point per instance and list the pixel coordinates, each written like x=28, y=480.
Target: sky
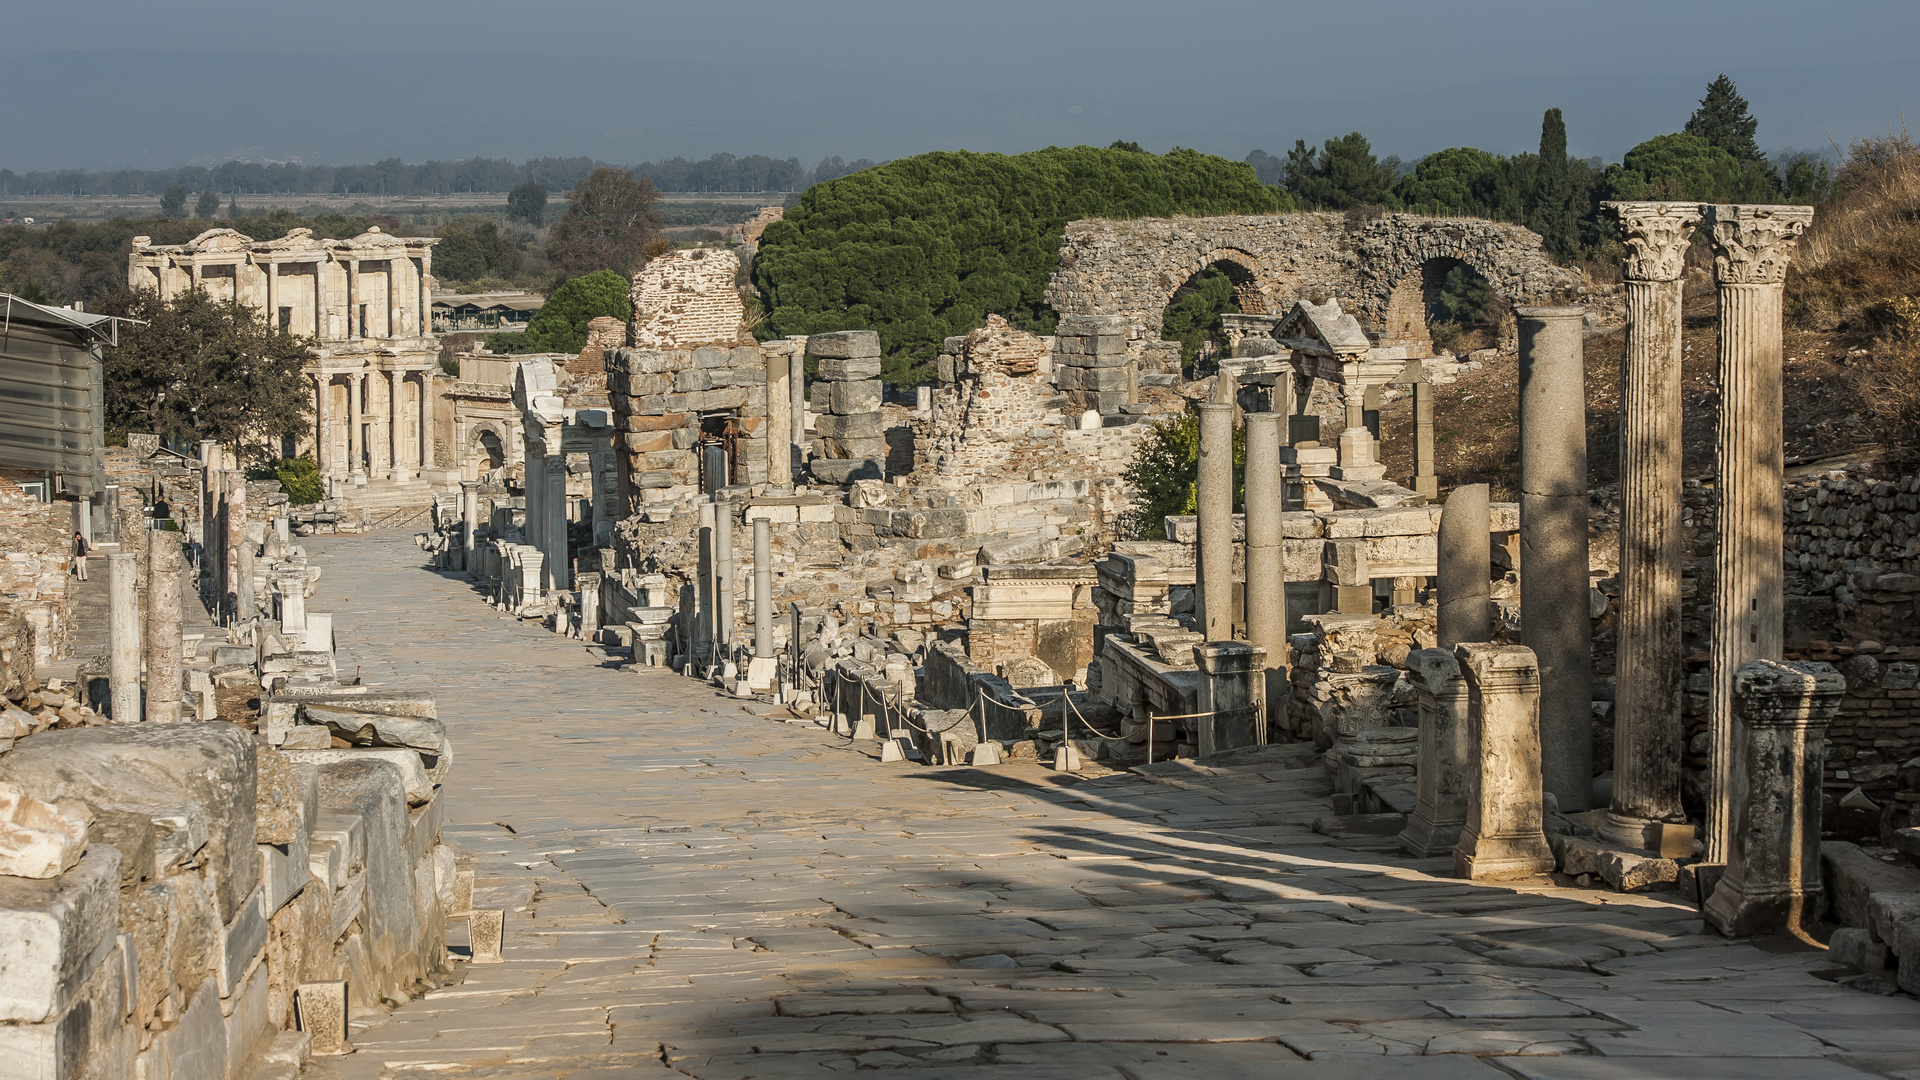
x=101, y=84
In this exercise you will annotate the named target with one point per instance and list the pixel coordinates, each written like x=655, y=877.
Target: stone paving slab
x=693, y=890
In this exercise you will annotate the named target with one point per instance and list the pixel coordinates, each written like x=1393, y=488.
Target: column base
x=1737, y=912
x=1502, y=858
x=401, y=476
x=1424, y=838
x=1663, y=838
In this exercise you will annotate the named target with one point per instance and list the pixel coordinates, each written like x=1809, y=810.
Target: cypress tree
x=1550, y=209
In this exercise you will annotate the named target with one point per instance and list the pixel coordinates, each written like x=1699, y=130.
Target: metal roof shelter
x=52, y=393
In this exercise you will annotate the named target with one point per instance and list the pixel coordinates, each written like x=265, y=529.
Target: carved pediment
x=1321, y=328
x=220, y=240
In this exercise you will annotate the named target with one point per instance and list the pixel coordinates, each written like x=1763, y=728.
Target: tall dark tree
x=1550, y=209
x=207, y=205
x=1722, y=119
x=528, y=203
x=173, y=201
x=610, y=217
x=202, y=368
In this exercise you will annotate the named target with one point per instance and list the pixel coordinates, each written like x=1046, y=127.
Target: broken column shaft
x=1648, y=730
x=1465, y=565
x=1772, y=880
x=779, y=419
x=723, y=579
x=1423, y=480
x=469, y=524
x=1751, y=247
x=1266, y=592
x=163, y=644
x=123, y=636
x=1215, y=511
x=1554, y=617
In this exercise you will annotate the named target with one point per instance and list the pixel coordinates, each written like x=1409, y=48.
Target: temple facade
x=367, y=304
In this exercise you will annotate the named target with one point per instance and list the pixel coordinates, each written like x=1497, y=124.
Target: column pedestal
x=1502, y=838
x=1443, y=778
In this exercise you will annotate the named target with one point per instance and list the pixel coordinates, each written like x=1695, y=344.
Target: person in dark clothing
x=79, y=556
x=161, y=511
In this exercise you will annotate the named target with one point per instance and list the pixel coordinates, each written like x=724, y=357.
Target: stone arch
x=1244, y=269
x=1411, y=286
x=486, y=446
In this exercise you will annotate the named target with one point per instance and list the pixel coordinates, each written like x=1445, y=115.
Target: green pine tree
x=1723, y=121
x=1550, y=203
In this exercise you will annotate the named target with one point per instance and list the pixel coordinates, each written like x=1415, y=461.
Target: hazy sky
x=102, y=84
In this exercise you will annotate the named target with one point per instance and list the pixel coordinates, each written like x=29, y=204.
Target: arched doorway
x=1193, y=313
x=1442, y=304
x=494, y=454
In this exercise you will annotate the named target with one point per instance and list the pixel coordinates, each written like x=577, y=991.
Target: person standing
x=80, y=556
x=161, y=512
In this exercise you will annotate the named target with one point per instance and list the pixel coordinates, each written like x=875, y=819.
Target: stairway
x=387, y=504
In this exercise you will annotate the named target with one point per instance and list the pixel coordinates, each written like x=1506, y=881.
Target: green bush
x=1165, y=470
x=300, y=478
x=561, y=323
x=1194, y=315
x=925, y=247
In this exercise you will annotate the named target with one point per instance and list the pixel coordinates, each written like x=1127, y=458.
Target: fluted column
x=1554, y=619
x=353, y=300
x=1266, y=592
x=1215, y=507
x=1751, y=246
x=1648, y=731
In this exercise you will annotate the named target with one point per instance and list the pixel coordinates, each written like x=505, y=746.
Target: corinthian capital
x=1657, y=234
x=1751, y=244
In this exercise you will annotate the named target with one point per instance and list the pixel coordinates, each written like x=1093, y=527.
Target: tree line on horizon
x=476, y=175
x=1714, y=157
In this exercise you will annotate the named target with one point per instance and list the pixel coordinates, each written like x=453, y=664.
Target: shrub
x=1864, y=244
x=561, y=323
x=300, y=478
x=1165, y=472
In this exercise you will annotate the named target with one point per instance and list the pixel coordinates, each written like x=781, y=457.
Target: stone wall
x=658, y=398
x=1132, y=268
x=687, y=298
x=36, y=562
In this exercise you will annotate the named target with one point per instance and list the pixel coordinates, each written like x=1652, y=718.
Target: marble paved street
x=694, y=889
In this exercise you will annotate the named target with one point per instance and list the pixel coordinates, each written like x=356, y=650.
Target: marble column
x=1772, y=880
x=425, y=295
x=723, y=579
x=1215, y=500
x=356, y=385
x=1465, y=566
x=588, y=583
x=323, y=423
x=554, y=505
x=470, y=523
x=164, y=644
x=1423, y=481
x=1266, y=592
x=273, y=294
x=427, y=459
x=700, y=634
x=292, y=590
x=1648, y=730
x=1443, y=779
x=320, y=328
x=762, y=589
x=1502, y=838
x=1554, y=586
x=1751, y=247
x=1353, y=397
x=779, y=439
x=797, y=388
x=238, y=587
x=354, y=329
x=397, y=393
x=123, y=637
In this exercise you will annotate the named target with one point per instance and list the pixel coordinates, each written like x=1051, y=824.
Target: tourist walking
x=80, y=556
